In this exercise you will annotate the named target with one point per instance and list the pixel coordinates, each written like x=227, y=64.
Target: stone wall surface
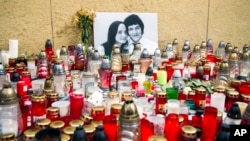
x=34, y=21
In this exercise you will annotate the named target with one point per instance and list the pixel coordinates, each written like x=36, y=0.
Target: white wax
x=5, y=57
x=9, y=126
x=13, y=48
x=173, y=106
x=218, y=101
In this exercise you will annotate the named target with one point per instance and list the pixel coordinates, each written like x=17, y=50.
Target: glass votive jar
x=191, y=95
x=90, y=130
x=51, y=97
x=38, y=108
x=173, y=106
x=236, y=84
x=231, y=97
x=29, y=134
x=98, y=113
x=52, y=113
x=12, y=62
x=77, y=82
x=76, y=105
x=188, y=133
x=113, y=97
x=42, y=123
x=22, y=88
x=25, y=76
x=69, y=130
x=57, y=124
x=115, y=109
x=87, y=78
x=218, y=101
x=76, y=122
x=160, y=101
x=7, y=137
x=200, y=97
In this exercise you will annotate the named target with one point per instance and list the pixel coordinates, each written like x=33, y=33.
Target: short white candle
x=9, y=126
x=173, y=106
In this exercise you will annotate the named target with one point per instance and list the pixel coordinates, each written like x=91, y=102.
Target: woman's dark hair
x=132, y=20
x=112, y=31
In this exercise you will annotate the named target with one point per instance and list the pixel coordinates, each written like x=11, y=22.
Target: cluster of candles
x=155, y=83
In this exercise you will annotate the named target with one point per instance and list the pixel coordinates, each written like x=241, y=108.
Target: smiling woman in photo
x=116, y=35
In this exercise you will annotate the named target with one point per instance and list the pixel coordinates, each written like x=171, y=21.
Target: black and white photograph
x=125, y=30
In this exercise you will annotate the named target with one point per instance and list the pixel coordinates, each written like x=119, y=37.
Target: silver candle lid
x=79, y=48
x=186, y=43
x=2, y=69
x=105, y=63
x=221, y=44
x=144, y=53
x=169, y=47
x=186, y=48
x=63, y=50
x=58, y=69
x=209, y=42
x=157, y=52
x=96, y=55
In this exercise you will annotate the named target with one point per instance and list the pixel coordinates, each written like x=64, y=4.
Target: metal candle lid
x=129, y=113
x=233, y=57
x=48, y=83
x=234, y=111
x=175, y=42
x=125, y=50
x=149, y=71
x=157, y=52
x=8, y=95
x=224, y=66
x=196, y=48
x=79, y=48
x=137, y=47
x=116, y=50
x=203, y=45
x=63, y=50
x=15, y=76
x=186, y=43
x=145, y=53
x=169, y=47
x=228, y=48
x=96, y=55
x=48, y=43
x=244, y=56
x=42, y=55
x=105, y=63
x=209, y=42
x=58, y=69
x=2, y=69
x=164, y=54
x=245, y=48
x=221, y=44
x=186, y=48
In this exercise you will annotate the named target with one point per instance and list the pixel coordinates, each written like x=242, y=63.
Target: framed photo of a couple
x=125, y=30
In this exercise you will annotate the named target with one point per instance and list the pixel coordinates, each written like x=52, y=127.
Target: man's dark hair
x=132, y=20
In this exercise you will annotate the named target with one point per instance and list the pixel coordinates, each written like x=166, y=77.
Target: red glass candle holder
x=98, y=113
x=76, y=105
x=110, y=127
x=172, y=127
x=200, y=98
x=25, y=107
x=244, y=88
x=160, y=101
x=147, y=129
x=22, y=88
x=38, y=109
x=125, y=67
x=209, y=123
x=170, y=70
x=118, y=78
x=134, y=84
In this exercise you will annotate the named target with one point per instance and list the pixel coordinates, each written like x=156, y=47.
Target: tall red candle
x=76, y=105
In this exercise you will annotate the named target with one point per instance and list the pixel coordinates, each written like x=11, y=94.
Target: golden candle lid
x=65, y=137
x=188, y=131
x=113, y=94
x=245, y=97
x=191, y=92
x=116, y=50
x=48, y=83
x=129, y=112
x=97, y=108
x=220, y=89
x=38, y=98
x=31, y=58
x=161, y=94
x=69, y=130
x=76, y=123
x=8, y=95
x=203, y=45
x=88, y=74
x=235, y=82
x=96, y=123
x=161, y=68
x=90, y=128
x=47, y=91
x=164, y=54
x=230, y=89
x=157, y=138
x=53, y=110
x=207, y=67
x=25, y=73
x=127, y=95
x=7, y=137
x=63, y=50
x=196, y=48
x=137, y=47
x=219, y=114
x=233, y=94
x=43, y=122
x=200, y=90
x=57, y=124
x=224, y=66
x=86, y=118
x=175, y=42
x=75, y=76
x=30, y=133
x=52, y=95
x=115, y=46
x=116, y=106
x=233, y=57
x=181, y=118
x=244, y=56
